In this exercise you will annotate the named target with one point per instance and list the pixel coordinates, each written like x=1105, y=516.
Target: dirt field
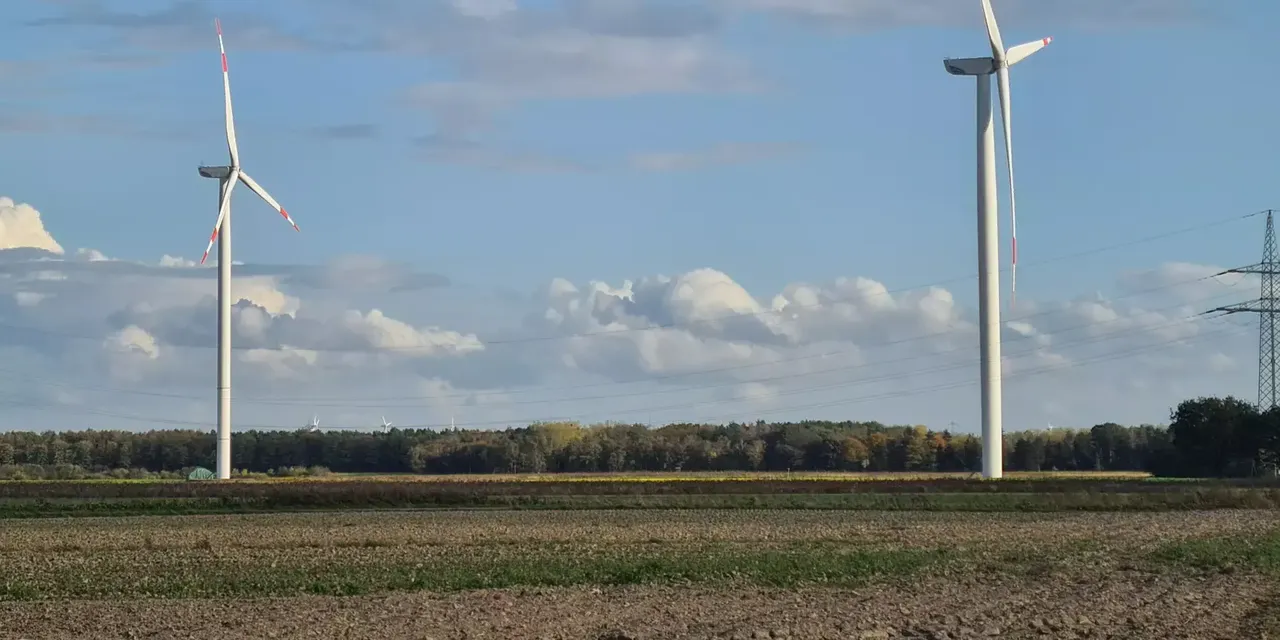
x=1114, y=606
x=644, y=575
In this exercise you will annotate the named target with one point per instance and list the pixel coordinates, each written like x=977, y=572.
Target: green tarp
x=200, y=473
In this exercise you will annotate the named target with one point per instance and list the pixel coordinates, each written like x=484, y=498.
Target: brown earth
x=1093, y=594
x=393, y=530
x=1107, y=606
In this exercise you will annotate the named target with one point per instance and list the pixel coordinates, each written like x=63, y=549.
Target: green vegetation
x=1225, y=554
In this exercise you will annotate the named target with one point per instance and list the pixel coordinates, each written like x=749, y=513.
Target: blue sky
x=776, y=141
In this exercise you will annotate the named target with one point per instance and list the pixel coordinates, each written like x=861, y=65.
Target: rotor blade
x=226, y=93
x=993, y=31
x=1006, y=117
x=224, y=203
x=257, y=188
x=1023, y=51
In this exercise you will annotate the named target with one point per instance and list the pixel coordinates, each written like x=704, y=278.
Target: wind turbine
x=314, y=427
x=227, y=178
x=386, y=426
x=988, y=231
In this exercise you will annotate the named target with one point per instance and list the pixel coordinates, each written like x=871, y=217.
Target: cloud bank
x=87, y=340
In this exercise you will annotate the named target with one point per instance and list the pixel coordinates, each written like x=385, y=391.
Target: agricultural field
x=599, y=557
x=848, y=491
x=600, y=574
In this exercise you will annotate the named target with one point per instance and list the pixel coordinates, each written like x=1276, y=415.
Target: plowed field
x=645, y=574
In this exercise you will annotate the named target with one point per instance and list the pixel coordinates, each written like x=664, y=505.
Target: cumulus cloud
x=21, y=227
x=697, y=345
x=853, y=337
x=152, y=324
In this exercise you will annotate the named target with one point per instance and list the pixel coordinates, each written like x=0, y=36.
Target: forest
x=1206, y=437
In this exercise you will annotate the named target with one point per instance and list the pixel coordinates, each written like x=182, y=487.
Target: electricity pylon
x=1266, y=306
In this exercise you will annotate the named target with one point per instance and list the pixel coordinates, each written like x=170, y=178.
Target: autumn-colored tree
x=878, y=452
x=855, y=454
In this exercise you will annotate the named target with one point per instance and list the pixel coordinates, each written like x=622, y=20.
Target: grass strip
x=1224, y=554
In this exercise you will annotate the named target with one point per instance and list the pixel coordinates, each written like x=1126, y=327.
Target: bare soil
x=469, y=529
x=1093, y=594
x=1107, y=606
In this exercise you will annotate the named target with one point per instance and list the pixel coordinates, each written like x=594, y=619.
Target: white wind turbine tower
x=988, y=232
x=227, y=178
x=314, y=427
x=386, y=426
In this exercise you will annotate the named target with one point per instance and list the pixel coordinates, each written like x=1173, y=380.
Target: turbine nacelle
x=989, y=65
x=217, y=173
x=970, y=66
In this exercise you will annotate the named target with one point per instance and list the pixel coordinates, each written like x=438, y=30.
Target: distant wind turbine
x=386, y=426
x=315, y=424
x=227, y=178
x=988, y=231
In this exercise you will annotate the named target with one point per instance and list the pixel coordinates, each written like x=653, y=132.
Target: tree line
x=1206, y=437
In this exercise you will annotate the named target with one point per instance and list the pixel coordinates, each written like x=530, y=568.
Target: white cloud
x=487, y=9
x=489, y=56
x=871, y=14
x=92, y=255
x=167, y=260
x=697, y=345
x=284, y=362
x=21, y=227
x=382, y=332
x=583, y=49
x=132, y=339
x=28, y=298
